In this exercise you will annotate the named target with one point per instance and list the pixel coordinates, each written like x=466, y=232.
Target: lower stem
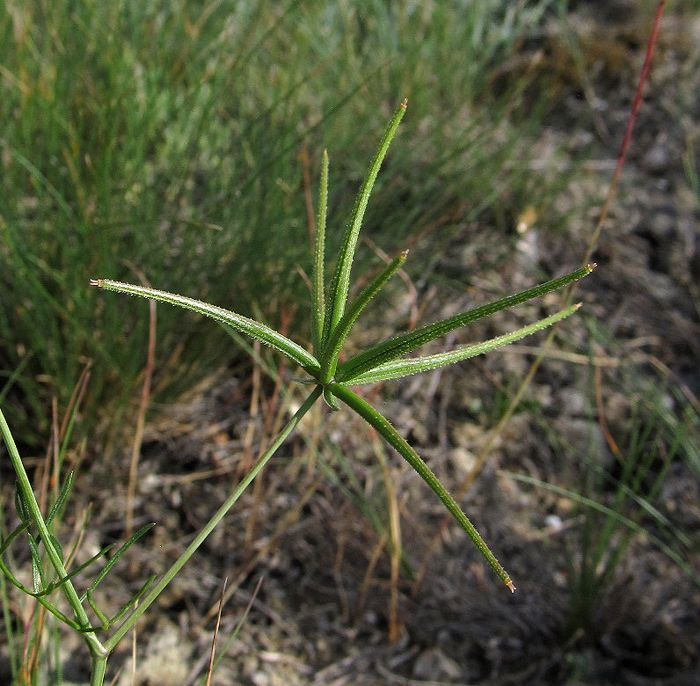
x=99, y=670
x=211, y=524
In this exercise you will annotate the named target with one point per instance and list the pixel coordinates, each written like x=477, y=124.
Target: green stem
x=27, y=494
x=99, y=670
x=153, y=594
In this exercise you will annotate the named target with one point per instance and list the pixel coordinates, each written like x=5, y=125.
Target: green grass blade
x=403, y=367
x=329, y=361
x=318, y=283
x=243, y=324
x=341, y=281
x=405, y=343
x=389, y=433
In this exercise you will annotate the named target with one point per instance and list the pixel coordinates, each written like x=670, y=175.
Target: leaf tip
x=591, y=266
x=404, y=254
x=404, y=103
x=97, y=282
x=510, y=585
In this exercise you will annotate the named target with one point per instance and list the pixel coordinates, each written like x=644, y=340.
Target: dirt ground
x=308, y=549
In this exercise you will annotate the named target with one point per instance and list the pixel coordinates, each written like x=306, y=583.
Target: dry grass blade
x=212, y=652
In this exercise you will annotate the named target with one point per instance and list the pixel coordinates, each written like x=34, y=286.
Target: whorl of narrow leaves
x=332, y=323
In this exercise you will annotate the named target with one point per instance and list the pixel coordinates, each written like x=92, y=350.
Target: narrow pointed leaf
x=417, y=365
x=37, y=571
x=74, y=572
x=329, y=360
x=21, y=507
x=318, y=284
x=405, y=343
x=61, y=500
x=250, y=327
x=38, y=595
x=57, y=546
x=341, y=281
x=117, y=556
x=389, y=433
x=57, y=613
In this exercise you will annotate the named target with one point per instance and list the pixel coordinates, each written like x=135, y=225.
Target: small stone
x=260, y=679
x=433, y=665
x=658, y=157
x=572, y=402
x=553, y=522
x=463, y=459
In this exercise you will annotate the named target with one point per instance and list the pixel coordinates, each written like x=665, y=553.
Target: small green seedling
x=332, y=323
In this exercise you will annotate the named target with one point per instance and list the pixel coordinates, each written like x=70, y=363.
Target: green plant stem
x=96, y=648
x=153, y=594
x=98, y=670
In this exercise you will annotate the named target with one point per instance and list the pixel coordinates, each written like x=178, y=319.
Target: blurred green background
x=169, y=142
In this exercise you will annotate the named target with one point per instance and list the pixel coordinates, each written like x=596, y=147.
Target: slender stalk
x=98, y=670
x=153, y=594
